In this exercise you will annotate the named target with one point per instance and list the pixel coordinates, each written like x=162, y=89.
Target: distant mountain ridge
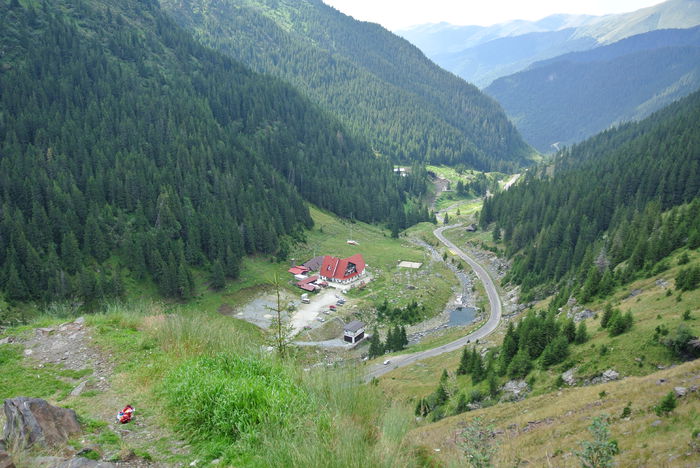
x=571, y=97
x=473, y=52
x=380, y=86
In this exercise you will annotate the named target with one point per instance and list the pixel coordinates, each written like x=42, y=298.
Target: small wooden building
x=354, y=331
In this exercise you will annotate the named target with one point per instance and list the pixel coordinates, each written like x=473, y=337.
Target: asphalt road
x=402, y=360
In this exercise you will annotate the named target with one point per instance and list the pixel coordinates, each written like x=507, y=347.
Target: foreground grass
x=210, y=381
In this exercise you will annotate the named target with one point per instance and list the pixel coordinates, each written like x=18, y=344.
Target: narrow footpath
x=402, y=360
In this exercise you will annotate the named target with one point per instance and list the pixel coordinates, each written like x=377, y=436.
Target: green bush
x=224, y=399
x=667, y=404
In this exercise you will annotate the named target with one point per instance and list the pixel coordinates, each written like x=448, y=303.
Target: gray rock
x=6, y=460
x=79, y=321
x=6, y=340
x=516, y=389
x=568, y=377
x=607, y=376
x=79, y=389
x=77, y=462
x=583, y=315
x=32, y=421
x=656, y=423
x=680, y=391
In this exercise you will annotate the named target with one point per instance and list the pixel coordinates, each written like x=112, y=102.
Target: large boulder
x=607, y=376
x=31, y=421
x=568, y=377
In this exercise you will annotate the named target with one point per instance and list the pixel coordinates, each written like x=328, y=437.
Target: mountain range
x=378, y=85
x=568, y=98
x=480, y=55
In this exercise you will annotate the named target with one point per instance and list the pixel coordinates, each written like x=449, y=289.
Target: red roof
x=342, y=269
x=298, y=270
x=308, y=280
x=308, y=287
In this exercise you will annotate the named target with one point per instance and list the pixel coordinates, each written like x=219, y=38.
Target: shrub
x=666, y=405
x=683, y=343
x=599, y=452
x=627, y=410
x=478, y=444
x=619, y=323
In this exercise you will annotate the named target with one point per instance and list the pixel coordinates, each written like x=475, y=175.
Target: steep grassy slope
x=548, y=430
x=377, y=84
x=567, y=99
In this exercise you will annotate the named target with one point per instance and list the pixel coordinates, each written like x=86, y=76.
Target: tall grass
x=352, y=425
x=212, y=378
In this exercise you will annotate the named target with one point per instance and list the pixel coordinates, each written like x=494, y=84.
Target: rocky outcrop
x=607, y=376
x=568, y=377
x=515, y=390
x=32, y=421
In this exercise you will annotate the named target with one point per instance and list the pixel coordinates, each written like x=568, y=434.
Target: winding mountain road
x=402, y=360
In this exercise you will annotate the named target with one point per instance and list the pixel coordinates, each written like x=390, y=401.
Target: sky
x=397, y=14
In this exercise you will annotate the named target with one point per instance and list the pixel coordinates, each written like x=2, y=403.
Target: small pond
x=463, y=316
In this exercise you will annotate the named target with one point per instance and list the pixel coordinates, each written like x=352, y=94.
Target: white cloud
x=396, y=14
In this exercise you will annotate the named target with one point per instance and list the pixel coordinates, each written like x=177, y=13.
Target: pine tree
x=403, y=338
x=375, y=345
x=520, y=366
x=492, y=382
x=15, y=287
x=70, y=253
x=607, y=314
x=465, y=363
x=390, y=341
x=569, y=331
x=217, y=279
x=581, y=333
x=477, y=371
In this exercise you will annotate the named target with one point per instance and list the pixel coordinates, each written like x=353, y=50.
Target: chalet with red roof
x=343, y=270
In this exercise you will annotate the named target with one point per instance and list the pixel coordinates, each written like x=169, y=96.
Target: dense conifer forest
x=609, y=210
x=127, y=148
x=378, y=84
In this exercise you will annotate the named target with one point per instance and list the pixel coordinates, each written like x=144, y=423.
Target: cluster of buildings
x=319, y=271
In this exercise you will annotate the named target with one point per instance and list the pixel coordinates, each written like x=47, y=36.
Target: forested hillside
x=126, y=147
x=569, y=98
x=615, y=206
x=377, y=84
